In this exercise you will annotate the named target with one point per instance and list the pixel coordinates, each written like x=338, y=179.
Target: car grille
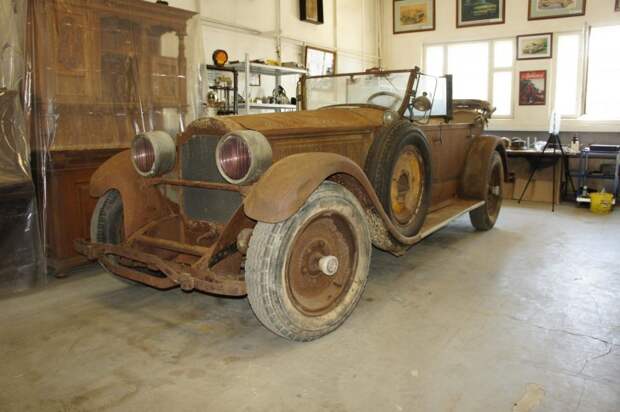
x=198, y=163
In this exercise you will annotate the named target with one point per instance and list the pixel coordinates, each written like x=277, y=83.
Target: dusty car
x=285, y=207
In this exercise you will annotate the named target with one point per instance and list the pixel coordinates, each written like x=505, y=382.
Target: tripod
x=555, y=142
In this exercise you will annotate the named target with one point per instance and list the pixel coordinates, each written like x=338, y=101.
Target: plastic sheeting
x=94, y=74
x=21, y=259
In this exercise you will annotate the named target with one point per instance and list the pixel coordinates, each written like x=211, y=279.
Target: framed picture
x=480, y=12
x=551, y=9
x=535, y=46
x=311, y=11
x=533, y=88
x=254, y=79
x=413, y=15
x=320, y=62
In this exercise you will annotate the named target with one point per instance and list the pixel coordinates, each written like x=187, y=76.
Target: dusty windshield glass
x=382, y=89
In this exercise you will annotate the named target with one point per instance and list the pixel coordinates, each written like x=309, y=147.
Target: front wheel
x=306, y=274
x=485, y=216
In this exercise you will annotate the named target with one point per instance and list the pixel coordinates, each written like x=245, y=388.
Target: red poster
x=533, y=88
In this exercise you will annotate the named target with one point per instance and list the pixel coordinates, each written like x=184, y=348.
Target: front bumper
x=174, y=274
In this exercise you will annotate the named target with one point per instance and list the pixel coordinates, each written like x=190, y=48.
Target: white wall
x=405, y=50
x=249, y=26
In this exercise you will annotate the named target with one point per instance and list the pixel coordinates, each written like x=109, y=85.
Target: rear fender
x=473, y=182
x=141, y=203
x=286, y=186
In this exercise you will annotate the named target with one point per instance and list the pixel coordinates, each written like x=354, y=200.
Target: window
x=481, y=70
x=599, y=98
x=603, y=84
x=567, y=74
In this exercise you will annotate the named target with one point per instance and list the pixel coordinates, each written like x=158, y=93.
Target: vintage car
x=554, y=4
x=412, y=16
x=285, y=207
x=484, y=9
x=535, y=46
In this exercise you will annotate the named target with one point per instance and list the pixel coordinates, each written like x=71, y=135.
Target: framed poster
x=551, y=9
x=320, y=62
x=311, y=11
x=533, y=88
x=480, y=12
x=413, y=15
x=535, y=46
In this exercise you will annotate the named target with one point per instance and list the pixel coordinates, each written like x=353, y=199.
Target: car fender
x=142, y=203
x=473, y=184
x=287, y=184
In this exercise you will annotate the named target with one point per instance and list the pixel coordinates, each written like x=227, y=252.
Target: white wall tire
x=286, y=290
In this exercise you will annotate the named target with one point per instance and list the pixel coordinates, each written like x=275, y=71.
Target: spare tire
x=399, y=168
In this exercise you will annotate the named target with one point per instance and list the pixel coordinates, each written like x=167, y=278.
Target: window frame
x=491, y=66
x=585, y=65
x=581, y=73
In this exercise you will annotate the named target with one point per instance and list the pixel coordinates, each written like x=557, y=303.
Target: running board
x=442, y=217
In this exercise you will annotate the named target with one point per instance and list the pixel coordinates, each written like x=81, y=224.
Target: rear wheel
x=306, y=274
x=485, y=216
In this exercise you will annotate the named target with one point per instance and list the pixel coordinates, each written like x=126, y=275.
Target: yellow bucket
x=601, y=203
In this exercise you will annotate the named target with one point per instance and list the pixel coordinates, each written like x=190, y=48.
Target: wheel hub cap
x=328, y=265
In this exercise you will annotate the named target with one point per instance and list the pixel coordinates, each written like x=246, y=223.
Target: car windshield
x=382, y=89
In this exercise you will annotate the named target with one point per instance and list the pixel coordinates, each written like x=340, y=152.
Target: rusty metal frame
x=176, y=274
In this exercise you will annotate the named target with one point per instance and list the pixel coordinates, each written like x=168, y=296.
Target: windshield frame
x=413, y=74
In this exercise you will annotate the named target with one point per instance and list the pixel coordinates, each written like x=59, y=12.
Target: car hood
x=309, y=122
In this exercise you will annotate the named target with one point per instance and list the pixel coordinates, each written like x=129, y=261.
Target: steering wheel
x=393, y=95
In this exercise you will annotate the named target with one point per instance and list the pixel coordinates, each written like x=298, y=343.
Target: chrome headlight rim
x=163, y=149
x=259, y=151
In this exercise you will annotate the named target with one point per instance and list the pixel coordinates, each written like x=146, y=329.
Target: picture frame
x=535, y=46
x=471, y=13
x=411, y=16
x=553, y=9
x=254, y=79
x=533, y=88
x=319, y=62
x=311, y=11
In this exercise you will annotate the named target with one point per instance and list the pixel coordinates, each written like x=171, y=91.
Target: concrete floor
x=525, y=317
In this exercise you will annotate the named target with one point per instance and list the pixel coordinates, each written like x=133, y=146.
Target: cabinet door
x=68, y=54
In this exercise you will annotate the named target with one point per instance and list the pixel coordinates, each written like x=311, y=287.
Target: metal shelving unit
x=225, y=94
x=584, y=173
x=246, y=67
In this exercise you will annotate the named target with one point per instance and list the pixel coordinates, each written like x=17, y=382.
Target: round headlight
x=153, y=153
x=243, y=156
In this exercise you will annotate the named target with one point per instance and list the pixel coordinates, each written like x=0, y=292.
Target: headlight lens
x=243, y=156
x=234, y=159
x=153, y=153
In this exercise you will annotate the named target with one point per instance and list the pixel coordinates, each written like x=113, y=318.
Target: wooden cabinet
x=103, y=70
